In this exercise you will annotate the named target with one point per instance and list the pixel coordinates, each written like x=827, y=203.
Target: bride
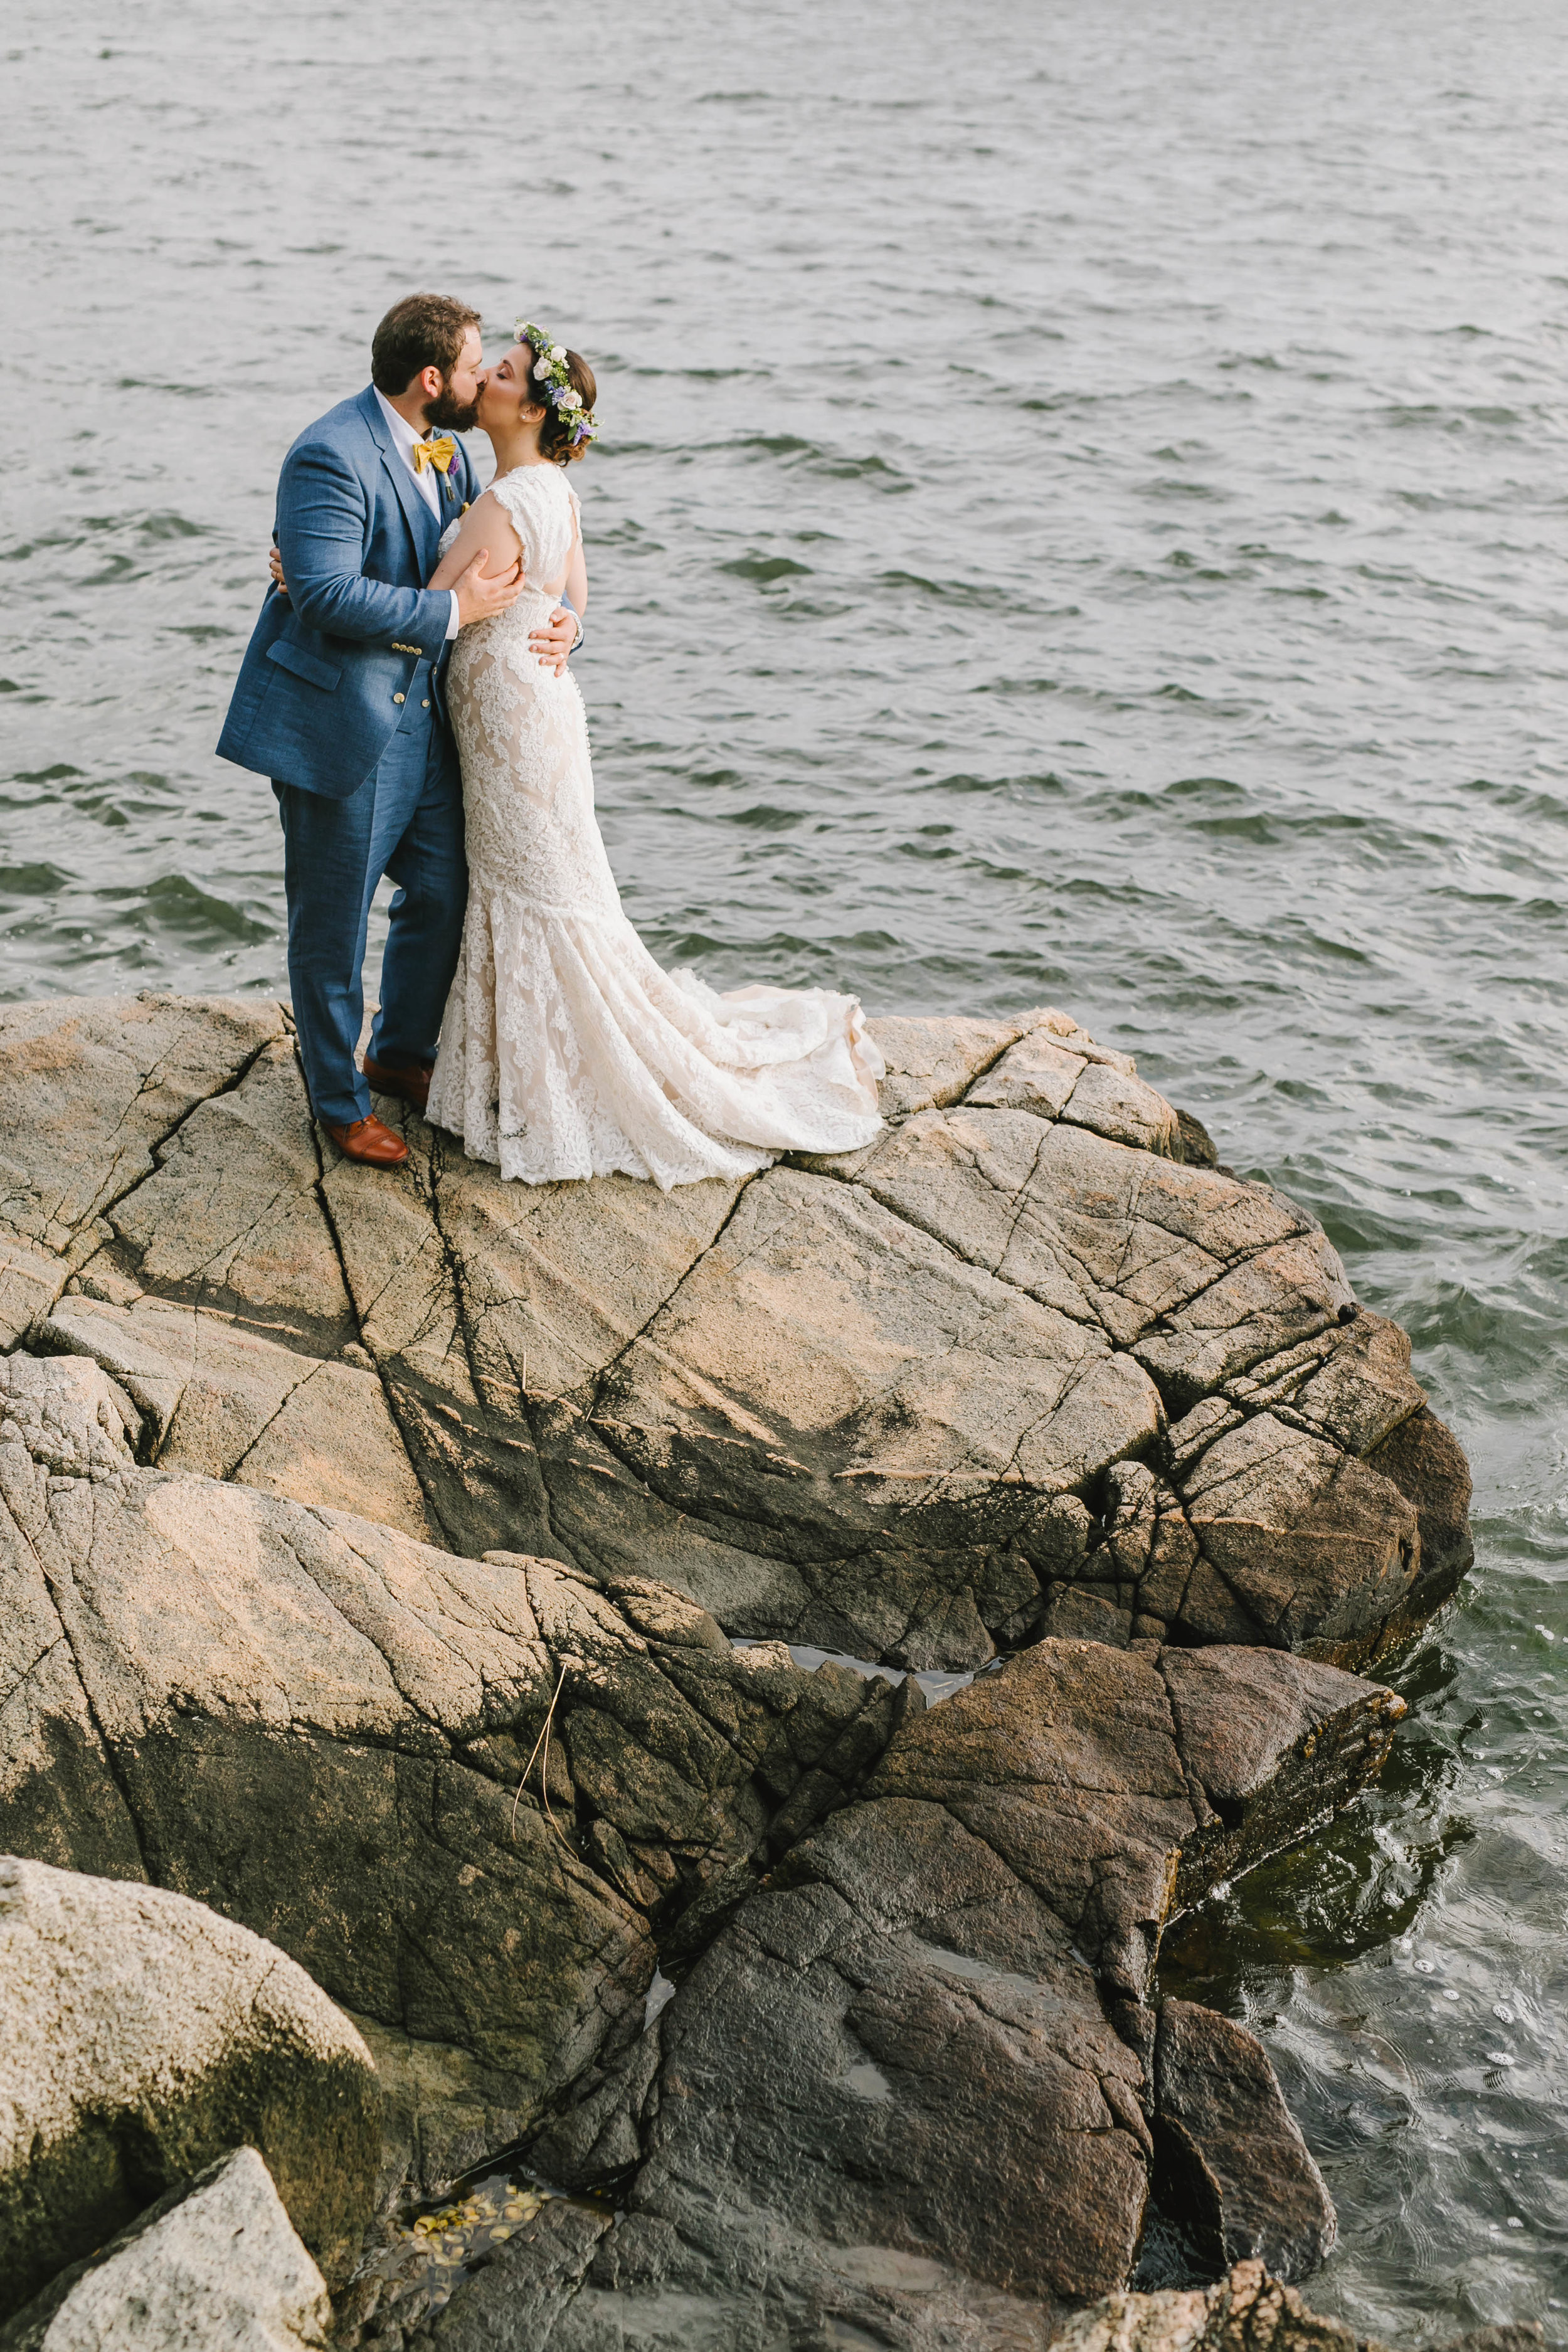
x=566, y=1050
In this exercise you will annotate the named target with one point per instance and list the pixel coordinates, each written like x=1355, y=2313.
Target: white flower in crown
x=568, y=398
x=540, y=370
x=558, y=353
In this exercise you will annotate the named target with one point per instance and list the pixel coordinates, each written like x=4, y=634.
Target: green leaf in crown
x=550, y=368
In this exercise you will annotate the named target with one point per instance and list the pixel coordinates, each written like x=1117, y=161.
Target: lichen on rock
x=141, y=2037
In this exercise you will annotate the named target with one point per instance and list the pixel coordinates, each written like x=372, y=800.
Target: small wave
x=762, y=818
x=170, y=525
x=857, y=470
x=765, y=569
x=1166, y=486
x=175, y=904
x=168, y=391
x=38, y=880
x=1048, y=783
x=774, y=445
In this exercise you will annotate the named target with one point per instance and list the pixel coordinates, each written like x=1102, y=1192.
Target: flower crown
x=551, y=370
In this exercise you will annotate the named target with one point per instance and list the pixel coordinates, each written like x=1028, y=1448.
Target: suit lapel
x=423, y=529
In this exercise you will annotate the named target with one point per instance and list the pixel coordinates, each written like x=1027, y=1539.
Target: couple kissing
x=406, y=691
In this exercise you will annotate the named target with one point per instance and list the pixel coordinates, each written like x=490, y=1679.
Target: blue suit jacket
x=321, y=691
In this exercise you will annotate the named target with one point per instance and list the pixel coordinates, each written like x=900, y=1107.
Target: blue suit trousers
x=406, y=821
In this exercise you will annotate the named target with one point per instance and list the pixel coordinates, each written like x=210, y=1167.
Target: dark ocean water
x=1080, y=518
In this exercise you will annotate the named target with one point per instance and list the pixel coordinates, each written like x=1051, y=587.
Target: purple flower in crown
x=551, y=369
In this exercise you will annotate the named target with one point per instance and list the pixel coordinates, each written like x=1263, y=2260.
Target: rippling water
x=1080, y=518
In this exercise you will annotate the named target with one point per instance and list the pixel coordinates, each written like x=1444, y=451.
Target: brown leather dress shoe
x=372, y=1140
x=409, y=1085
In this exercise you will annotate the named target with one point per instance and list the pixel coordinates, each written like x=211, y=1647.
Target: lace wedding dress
x=566, y=1050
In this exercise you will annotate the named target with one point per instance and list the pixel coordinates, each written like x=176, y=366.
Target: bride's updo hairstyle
x=563, y=384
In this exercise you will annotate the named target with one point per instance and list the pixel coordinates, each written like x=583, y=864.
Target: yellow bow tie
x=438, y=453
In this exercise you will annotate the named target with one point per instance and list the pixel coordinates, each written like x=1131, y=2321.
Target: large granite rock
x=214, y=2264
x=141, y=2036
x=464, y=1794
x=369, y=1545
x=889, y=1402
x=914, y=2087
x=1120, y=1785
x=90, y=1087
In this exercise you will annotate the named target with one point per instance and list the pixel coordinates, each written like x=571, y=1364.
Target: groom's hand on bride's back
x=481, y=592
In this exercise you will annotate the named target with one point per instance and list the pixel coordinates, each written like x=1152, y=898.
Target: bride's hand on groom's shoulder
x=275, y=565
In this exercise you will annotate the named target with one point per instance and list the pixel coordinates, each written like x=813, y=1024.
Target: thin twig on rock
x=543, y=1741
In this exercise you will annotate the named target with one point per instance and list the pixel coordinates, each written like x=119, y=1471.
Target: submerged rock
x=141, y=2036
x=214, y=2263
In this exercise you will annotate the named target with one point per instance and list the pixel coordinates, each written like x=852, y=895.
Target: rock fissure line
x=112, y=1763
x=647, y=1322
x=238, y=1464
x=452, y=1262
x=432, y=1504
x=228, y=1087
x=1197, y=1795
x=1088, y=1285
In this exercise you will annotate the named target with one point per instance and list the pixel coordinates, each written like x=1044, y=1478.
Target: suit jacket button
x=397, y=698
x=426, y=704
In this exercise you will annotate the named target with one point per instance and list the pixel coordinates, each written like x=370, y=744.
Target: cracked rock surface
x=372, y=1546
x=338, y=1736
x=141, y=2037
x=890, y=1403
x=1233, y=2165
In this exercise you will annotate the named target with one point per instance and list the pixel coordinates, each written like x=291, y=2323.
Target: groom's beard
x=446, y=414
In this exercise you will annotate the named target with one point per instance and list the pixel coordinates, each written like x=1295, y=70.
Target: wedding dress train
x=566, y=1051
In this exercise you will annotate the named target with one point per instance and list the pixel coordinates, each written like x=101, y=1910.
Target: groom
x=340, y=700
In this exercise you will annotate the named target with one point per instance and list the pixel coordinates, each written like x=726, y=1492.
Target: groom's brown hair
x=422, y=330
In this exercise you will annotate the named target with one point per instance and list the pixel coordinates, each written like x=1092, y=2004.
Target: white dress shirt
x=405, y=436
